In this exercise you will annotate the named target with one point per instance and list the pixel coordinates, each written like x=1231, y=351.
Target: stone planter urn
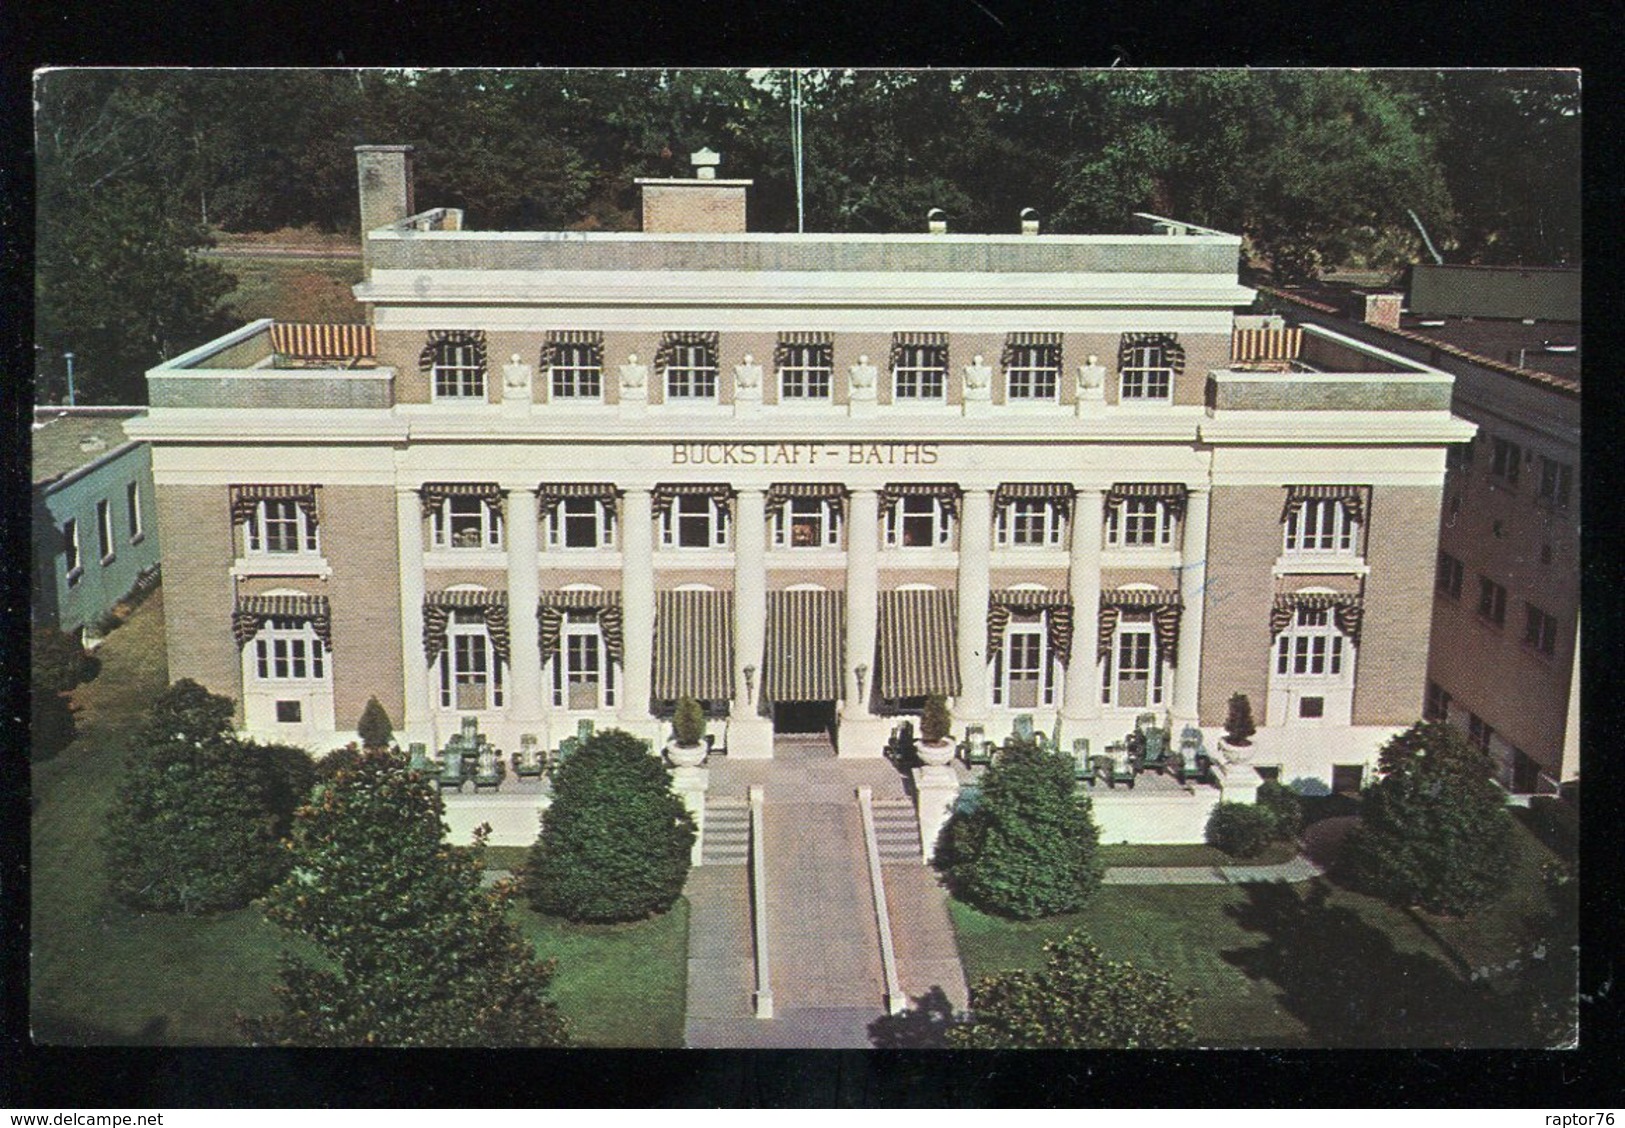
x=935, y=754
x=685, y=755
x=1235, y=753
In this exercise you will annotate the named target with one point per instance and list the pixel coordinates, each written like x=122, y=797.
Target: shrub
x=374, y=728
x=615, y=844
x=336, y=761
x=290, y=773
x=1028, y=848
x=688, y=725
x=51, y=727
x=57, y=663
x=1238, y=721
x=1241, y=830
x=1433, y=829
x=935, y=719
x=1284, y=805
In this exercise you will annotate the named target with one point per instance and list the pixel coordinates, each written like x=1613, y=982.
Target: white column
x=637, y=611
x=861, y=733
x=409, y=523
x=750, y=736
x=975, y=550
x=1082, y=671
x=527, y=710
x=1192, y=591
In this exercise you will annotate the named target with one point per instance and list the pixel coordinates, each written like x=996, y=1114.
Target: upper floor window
x=1492, y=600
x=581, y=522
x=1437, y=705
x=1147, y=364
x=1139, y=522
x=1322, y=520
x=919, y=521
x=71, y=563
x=1029, y=523
x=1556, y=481
x=471, y=664
x=455, y=360
x=1506, y=458
x=466, y=521
x=132, y=511
x=575, y=363
x=807, y=523
x=1540, y=630
x=1450, y=575
x=288, y=649
x=689, y=362
x=695, y=520
x=280, y=526
x=919, y=366
x=1478, y=732
x=1032, y=366
x=806, y=365
x=104, y=529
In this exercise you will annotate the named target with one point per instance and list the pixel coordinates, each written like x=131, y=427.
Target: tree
x=413, y=951
x=1029, y=846
x=1549, y=983
x=1238, y=721
x=195, y=827
x=374, y=728
x=1285, y=807
x=616, y=841
x=1079, y=1001
x=1433, y=830
x=57, y=663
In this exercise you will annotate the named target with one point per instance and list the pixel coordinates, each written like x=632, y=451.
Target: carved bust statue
x=1091, y=375
x=516, y=373
x=977, y=374
x=863, y=374
x=633, y=374
x=749, y=374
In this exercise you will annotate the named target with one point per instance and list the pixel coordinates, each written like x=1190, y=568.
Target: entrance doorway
x=811, y=717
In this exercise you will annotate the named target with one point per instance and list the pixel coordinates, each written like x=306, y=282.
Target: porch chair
x=1114, y=766
x=527, y=762
x=1153, y=749
x=1022, y=731
x=1081, y=766
x=583, y=730
x=567, y=748
x=491, y=770
x=451, y=770
x=976, y=750
x=420, y=760
x=1187, y=768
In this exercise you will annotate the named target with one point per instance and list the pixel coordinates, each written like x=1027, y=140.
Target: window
x=1506, y=461
x=583, y=675
x=104, y=529
x=805, y=371
x=132, y=511
x=1132, y=674
x=1029, y=522
x=1032, y=372
x=1311, y=648
x=1024, y=669
x=290, y=712
x=70, y=551
x=577, y=370
x=1556, y=480
x=1492, y=600
x=1311, y=708
x=1139, y=522
x=1319, y=526
x=1146, y=373
x=288, y=650
x=1437, y=705
x=695, y=521
x=1450, y=576
x=582, y=522
x=459, y=370
x=917, y=521
x=280, y=525
x=807, y=523
x=920, y=372
x=466, y=522
x=691, y=372
x=1478, y=732
x=470, y=671
x=1459, y=456
x=1539, y=630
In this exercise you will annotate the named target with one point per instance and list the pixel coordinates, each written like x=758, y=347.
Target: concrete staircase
x=897, y=831
x=727, y=832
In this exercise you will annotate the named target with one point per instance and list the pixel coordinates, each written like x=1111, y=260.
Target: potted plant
x=934, y=748
x=1238, y=723
x=686, y=749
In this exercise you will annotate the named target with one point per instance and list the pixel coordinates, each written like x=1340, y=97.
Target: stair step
x=897, y=830
x=726, y=839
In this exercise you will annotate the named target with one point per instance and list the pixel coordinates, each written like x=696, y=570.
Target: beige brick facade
x=195, y=524
x=1244, y=539
x=1392, y=667
x=359, y=522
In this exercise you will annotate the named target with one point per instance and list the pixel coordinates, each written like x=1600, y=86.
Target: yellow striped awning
x=1248, y=345
x=1352, y=497
x=437, y=609
x=919, y=643
x=694, y=645
x=246, y=498
x=552, y=605
x=309, y=341
x=806, y=637
x=253, y=611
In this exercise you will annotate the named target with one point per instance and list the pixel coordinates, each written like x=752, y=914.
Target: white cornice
x=1336, y=428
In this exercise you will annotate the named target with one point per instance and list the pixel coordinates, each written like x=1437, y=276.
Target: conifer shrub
x=374, y=728
x=688, y=723
x=1238, y=721
x=935, y=720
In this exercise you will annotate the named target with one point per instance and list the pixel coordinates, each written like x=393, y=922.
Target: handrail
x=896, y=1001
x=758, y=880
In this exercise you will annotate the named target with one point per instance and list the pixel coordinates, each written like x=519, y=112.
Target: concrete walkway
x=1297, y=869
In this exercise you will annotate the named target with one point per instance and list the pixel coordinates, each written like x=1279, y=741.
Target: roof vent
x=936, y=221
x=1029, y=221
x=92, y=444
x=705, y=163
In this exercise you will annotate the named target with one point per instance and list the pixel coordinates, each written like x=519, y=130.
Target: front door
x=803, y=716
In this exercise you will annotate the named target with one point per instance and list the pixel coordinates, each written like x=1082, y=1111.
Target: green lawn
x=105, y=974
x=294, y=289
x=1194, y=854
x=1294, y=965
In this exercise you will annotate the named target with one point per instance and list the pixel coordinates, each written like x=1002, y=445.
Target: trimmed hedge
x=1241, y=830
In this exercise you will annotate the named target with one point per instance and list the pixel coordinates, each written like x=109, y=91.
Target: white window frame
x=104, y=530
x=1029, y=381
x=1147, y=377
x=490, y=528
x=1015, y=524
x=1034, y=633
x=1311, y=649
x=288, y=651
x=691, y=375
x=826, y=512
x=73, y=563
x=132, y=512
x=577, y=380
x=603, y=518
x=467, y=638
x=912, y=375
x=256, y=530
x=580, y=636
x=897, y=515
x=799, y=378
x=1156, y=668
x=716, y=514
x=456, y=375
x=1142, y=516
x=1319, y=527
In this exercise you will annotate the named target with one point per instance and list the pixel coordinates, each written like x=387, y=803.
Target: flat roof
x=59, y=435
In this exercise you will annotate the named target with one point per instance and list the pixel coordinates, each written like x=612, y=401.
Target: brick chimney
x=385, y=176
x=704, y=205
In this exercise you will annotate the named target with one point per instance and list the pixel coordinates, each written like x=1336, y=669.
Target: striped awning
x=244, y=500
x=435, y=493
x=439, y=338
x=1171, y=494
x=592, y=339
x=936, y=342
x=549, y=494
x=1047, y=346
x=437, y=609
x=306, y=341
x=1059, y=493
x=1056, y=607
x=1352, y=497
x=918, y=643
x=1173, y=353
x=806, y=637
x=815, y=349
x=252, y=611
x=1165, y=608
x=947, y=493
x=780, y=492
x=671, y=341
x=694, y=645
x=1265, y=344
x=662, y=495
x=1348, y=610
x=550, y=609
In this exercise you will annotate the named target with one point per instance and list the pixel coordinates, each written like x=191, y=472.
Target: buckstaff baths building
x=807, y=479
